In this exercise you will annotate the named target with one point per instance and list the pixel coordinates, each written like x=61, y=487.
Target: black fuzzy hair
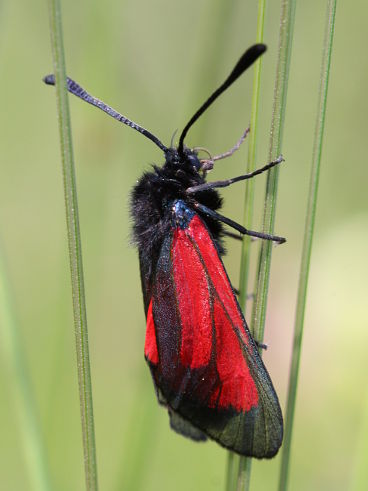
x=152, y=197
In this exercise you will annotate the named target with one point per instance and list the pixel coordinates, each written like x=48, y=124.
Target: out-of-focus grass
x=15, y=367
x=360, y=473
x=148, y=60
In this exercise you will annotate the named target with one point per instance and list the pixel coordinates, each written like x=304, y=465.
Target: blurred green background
x=156, y=62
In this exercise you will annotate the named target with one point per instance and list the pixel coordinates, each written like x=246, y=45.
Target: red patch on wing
x=208, y=309
x=150, y=345
x=238, y=389
x=194, y=307
x=217, y=273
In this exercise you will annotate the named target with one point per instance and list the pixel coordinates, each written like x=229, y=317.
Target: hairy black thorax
x=155, y=192
x=152, y=198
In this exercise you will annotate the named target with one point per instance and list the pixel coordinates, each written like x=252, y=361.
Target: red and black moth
x=204, y=363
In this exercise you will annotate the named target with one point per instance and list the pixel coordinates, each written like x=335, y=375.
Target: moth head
x=186, y=161
x=192, y=160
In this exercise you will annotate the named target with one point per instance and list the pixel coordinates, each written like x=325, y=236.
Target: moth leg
x=232, y=235
x=236, y=236
x=207, y=164
x=227, y=182
x=237, y=226
x=261, y=345
x=250, y=296
x=236, y=147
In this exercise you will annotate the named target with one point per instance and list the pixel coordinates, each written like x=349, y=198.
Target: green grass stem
x=231, y=470
x=307, y=242
x=75, y=252
x=252, y=148
x=277, y=126
x=264, y=262
x=243, y=465
x=13, y=359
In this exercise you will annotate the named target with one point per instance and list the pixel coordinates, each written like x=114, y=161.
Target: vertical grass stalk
x=242, y=465
x=13, y=358
x=264, y=262
x=307, y=242
x=75, y=252
x=252, y=148
x=277, y=126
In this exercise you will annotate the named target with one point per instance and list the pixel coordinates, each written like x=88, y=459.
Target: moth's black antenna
x=77, y=90
x=248, y=58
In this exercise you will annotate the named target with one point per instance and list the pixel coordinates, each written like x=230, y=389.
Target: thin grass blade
x=75, y=250
x=277, y=127
x=264, y=262
x=243, y=465
x=307, y=242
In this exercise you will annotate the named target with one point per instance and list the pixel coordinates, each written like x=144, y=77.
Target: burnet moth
x=204, y=363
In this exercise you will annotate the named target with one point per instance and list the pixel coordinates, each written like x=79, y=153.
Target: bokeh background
x=156, y=62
